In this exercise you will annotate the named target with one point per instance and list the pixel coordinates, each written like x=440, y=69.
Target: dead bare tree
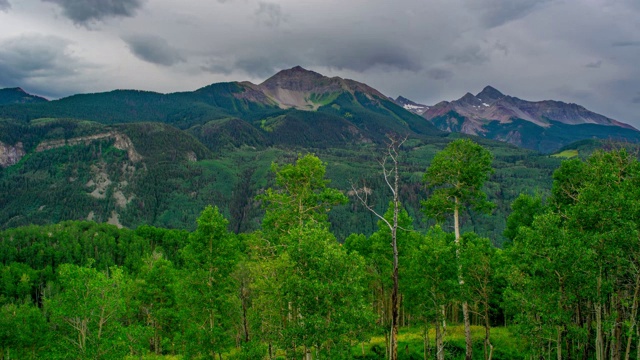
x=389, y=164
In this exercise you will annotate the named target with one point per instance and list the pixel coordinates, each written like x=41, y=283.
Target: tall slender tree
x=390, y=172
x=456, y=176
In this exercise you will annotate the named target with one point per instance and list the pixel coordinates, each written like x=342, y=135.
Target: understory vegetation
x=565, y=282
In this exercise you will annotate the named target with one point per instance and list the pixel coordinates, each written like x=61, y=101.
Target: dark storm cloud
x=34, y=57
x=494, y=13
x=439, y=74
x=83, y=12
x=261, y=60
x=5, y=5
x=270, y=14
x=361, y=56
x=153, y=49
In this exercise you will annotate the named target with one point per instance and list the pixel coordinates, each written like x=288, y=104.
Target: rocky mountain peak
x=411, y=105
x=489, y=94
x=296, y=78
x=469, y=99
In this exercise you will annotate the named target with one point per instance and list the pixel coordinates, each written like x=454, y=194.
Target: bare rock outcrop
x=10, y=155
x=122, y=142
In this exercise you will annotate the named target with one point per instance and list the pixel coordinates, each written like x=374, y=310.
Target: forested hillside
x=155, y=174
x=565, y=284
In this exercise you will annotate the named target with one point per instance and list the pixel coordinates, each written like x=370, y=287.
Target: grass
x=567, y=154
x=411, y=344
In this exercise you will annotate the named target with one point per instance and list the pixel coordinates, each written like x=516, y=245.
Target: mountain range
x=134, y=157
x=543, y=125
x=299, y=106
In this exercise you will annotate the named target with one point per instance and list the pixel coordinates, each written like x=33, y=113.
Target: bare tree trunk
x=439, y=341
x=598, y=309
x=634, y=314
x=465, y=305
x=559, y=343
x=427, y=346
x=488, y=347
x=617, y=352
x=392, y=178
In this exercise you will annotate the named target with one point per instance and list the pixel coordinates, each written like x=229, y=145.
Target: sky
x=580, y=51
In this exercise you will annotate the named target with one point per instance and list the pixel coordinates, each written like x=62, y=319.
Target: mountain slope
x=18, y=96
x=153, y=173
x=325, y=111
x=411, y=106
x=544, y=125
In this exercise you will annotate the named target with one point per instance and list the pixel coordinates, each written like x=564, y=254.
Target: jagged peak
x=295, y=74
x=489, y=93
x=470, y=99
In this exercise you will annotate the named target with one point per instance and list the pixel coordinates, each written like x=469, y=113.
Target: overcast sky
x=582, y=51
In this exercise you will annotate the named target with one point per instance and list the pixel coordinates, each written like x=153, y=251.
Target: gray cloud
x=425, y=50
x=5, y=5
x=365, y=55
x=636, y=99
x=569, y=92
x=262, y=60
x=594, y=64
x=215, y=67
x=259, y=66
x=43, y=64
x=269, y=14
x=439, y=74
x=472, y=55
x=153, y=49
x=625, y=43
x=84, y=12
x=34, y=56
x=499, y=12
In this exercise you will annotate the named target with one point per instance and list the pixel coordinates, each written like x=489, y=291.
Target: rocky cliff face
x=122, y=142
x=10, y=155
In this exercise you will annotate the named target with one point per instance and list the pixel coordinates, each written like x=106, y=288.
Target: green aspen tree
x=456, y=177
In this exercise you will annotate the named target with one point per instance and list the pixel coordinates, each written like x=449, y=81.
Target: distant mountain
x=18, y=96
x=295, y=107
x=411, y=106
x=307, y=90
x=543, y=125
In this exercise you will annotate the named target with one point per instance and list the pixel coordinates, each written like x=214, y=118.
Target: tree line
x=566, y=284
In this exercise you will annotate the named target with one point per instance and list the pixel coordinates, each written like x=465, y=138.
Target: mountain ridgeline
x=544, y=126
x=132, y=157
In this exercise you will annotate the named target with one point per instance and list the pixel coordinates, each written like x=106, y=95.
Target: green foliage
x=24, y=331
x=86, y=310
x=523, y=211
x=431, y=275
x=457, y=174
x=303, y=196
x=206, y=305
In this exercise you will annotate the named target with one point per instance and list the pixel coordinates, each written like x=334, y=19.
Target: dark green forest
x=297, y=273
